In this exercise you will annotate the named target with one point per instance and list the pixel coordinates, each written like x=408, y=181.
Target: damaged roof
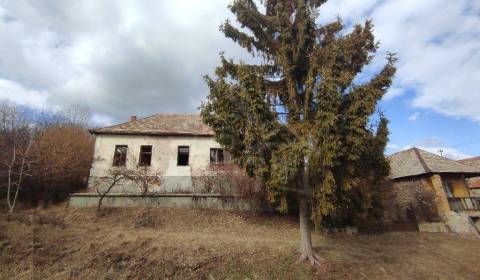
x=414, y=162
x=160, y=124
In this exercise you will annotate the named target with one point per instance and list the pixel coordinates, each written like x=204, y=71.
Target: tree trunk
x=306, y=248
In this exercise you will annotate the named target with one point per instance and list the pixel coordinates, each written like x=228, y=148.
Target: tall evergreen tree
x=298, y=121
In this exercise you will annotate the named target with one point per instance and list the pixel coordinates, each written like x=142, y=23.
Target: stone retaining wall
x=201, y=201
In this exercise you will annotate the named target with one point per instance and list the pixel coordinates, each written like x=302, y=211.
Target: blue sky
x=409, y=126
x=122, y=58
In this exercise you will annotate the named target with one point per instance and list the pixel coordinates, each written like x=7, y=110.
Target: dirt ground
x=63, y=243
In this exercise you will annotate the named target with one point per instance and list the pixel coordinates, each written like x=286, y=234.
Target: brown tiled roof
x=474, y=161
x=160, y=124
x=414, y=162
x=474, y=182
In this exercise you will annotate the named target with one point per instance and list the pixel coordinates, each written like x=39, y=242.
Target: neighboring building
x=432, y=190
x=174, y=146
x=474, y=182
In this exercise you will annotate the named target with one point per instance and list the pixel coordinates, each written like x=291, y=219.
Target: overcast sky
x=122, y=58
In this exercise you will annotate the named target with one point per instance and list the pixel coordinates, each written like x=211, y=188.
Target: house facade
x=173, y=147
x=433, y=191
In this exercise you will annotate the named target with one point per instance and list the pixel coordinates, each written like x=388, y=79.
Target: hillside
x=62, y=243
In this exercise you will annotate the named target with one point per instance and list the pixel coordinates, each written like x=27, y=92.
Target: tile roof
x=160, y=124
x=474, y=161
x=474, y=183
x=414, y=162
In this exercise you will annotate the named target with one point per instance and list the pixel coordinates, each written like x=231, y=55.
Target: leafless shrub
x=228, y=180
x=44, y=156
x=141, y=177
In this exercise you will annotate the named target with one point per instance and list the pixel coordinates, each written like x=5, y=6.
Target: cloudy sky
x=120, y=58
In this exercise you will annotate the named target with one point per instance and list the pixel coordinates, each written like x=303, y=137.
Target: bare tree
x=115, y=179
x=141, y=177
x=16, y=140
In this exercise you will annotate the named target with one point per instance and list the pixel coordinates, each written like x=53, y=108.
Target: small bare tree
x=16, y=140
x=142, y=177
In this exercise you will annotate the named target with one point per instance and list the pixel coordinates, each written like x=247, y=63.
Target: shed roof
x=160, y=124
x=474, y=183
x=414, y=162
x=474, y=161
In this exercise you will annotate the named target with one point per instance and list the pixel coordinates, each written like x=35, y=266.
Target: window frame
x=216, y=162
x=142, y=153
x=120, y=159
x=182, y=153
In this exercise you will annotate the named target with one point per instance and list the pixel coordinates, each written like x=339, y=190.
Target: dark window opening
x=183, y=153
x=217, y=156
x=120, y=155
x=145, y=156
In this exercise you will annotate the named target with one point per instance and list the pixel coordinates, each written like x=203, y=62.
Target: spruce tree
x=298, y=121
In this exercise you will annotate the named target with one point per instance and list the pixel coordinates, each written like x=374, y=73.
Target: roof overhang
x=465, y=174
x=152, y=133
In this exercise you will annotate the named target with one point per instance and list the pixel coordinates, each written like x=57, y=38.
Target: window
x=145, y=156
x=448, y=187
x=183, y=153
x=216, y=156
x=120, y=155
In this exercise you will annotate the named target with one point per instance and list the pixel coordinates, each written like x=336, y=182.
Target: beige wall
x=164, y=156
x=475, y=192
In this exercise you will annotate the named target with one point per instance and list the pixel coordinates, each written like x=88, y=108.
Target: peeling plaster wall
x=164, y=158
x=460, y=222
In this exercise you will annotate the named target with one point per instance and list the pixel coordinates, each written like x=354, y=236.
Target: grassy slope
x=61, y=243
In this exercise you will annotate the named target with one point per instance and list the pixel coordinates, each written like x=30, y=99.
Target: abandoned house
x=433, y=192
x=170, y=146
x=474, y=182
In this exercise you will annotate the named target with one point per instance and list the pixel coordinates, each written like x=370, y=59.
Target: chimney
x=133, y=118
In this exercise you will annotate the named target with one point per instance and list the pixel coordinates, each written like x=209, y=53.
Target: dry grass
x=62, y=243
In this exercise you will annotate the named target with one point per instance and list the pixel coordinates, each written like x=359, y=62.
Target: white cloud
x=117, y=58
x=433, y=145
x=101, y=120
x=16, y=93
x=414, y=117
x=393, y=146
x=140, y=57
x=437, y=43
x=447, y=152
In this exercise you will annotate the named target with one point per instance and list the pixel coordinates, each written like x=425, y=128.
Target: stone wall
x=414, y=203
x=200, y=201
x=410, y=201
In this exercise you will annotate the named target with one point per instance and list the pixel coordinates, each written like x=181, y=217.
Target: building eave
x=146, y=133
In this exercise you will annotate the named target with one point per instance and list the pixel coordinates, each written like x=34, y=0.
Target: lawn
x=63, y=243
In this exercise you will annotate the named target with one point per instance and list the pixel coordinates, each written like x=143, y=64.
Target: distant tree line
x=44, y=156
